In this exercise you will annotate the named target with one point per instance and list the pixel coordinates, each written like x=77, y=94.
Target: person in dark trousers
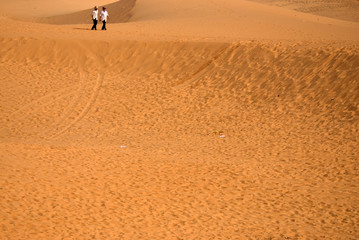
x=104, y=15
x=94, y=18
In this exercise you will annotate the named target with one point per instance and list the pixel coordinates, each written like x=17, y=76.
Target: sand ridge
x=204, y=20
x=39, y=8
x=122, y=13
x=344, y=9
x=146, y=131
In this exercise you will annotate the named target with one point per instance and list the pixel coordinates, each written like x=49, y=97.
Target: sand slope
x=121, y=11
x=146, y=131
x=204, y=20
x=341, y=9
x=41, y=8
x=286, y=166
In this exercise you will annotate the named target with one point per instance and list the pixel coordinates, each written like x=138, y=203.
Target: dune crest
x=120, y=12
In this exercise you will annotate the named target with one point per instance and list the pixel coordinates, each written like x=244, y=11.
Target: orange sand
x=187, y=119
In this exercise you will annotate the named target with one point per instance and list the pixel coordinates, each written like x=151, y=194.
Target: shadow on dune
x=82, y=28
x=120, y=12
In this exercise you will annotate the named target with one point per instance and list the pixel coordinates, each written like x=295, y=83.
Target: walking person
x=104, y=15
x=94, y=18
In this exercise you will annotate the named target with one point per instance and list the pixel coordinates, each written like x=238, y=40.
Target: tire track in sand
x=44, y=101
x=70, y=108
x=17, y=122
x=85, y=110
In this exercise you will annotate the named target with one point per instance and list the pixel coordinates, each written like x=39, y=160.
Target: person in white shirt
x=104, y=15
x=94, y=18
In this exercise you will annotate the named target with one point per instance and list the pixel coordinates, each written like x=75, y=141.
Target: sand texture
x=186, y=119
x=342, y=9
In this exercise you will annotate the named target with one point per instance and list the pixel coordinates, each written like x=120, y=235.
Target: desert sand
x=200, y=119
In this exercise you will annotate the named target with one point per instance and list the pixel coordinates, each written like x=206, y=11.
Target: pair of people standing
x=103, y=15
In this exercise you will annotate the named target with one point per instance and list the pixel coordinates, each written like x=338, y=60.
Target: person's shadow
x=78, y=28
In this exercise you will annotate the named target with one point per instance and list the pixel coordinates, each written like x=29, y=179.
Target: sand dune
x=40, y=8
x=192, y=120
x=341, y=9
x=284, y=168
x=203, y=20
x=121, y=11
